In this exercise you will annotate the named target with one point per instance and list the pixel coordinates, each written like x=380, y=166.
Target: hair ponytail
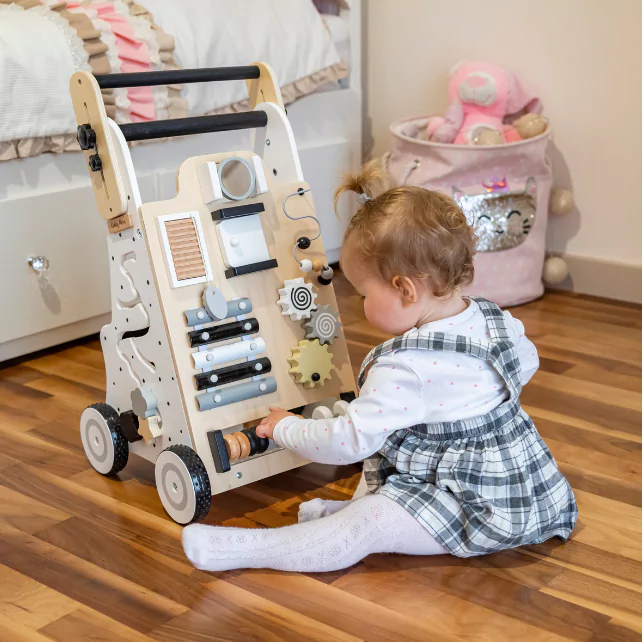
x=368, y=183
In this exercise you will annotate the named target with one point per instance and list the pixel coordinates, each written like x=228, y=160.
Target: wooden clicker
x=222, y=299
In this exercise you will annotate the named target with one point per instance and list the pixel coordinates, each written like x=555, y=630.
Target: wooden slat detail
x=185, y=249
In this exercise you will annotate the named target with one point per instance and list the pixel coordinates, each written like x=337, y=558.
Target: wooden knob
x=244, y=442
x=317, y=265
x=233, y=447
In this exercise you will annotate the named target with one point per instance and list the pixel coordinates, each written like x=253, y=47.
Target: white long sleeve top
x=411, y=387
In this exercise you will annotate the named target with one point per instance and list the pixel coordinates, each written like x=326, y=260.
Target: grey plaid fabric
x=478, y=485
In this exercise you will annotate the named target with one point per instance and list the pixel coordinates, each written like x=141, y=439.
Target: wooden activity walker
x=222, y=298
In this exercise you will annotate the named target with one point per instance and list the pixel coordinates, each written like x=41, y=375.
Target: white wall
x=585, y=59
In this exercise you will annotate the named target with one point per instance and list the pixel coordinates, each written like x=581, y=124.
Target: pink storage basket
x=510, y=220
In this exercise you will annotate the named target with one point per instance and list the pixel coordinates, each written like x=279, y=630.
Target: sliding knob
x=215, y=304
x=144, y=402
x=95, y=163
x=86, y=137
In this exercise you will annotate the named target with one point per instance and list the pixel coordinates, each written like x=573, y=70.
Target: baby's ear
x=407, y=288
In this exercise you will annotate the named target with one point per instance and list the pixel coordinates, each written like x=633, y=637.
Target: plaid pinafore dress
x=482, y=484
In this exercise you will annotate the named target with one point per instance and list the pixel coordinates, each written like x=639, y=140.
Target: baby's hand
x=267, y=425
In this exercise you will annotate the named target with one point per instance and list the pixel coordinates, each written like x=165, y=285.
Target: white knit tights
x=336, y=540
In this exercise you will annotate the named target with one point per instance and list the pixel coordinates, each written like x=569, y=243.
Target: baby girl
x=451, y=461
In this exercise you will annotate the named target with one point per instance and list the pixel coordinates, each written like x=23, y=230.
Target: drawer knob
x=38, y=264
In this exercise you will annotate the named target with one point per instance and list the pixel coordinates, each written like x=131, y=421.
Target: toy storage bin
x=512, y=183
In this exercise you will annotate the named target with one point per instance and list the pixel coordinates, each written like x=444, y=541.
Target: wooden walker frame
x=182, y=374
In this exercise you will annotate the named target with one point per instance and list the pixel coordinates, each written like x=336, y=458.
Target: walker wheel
x=183, y=484
x=103, y=439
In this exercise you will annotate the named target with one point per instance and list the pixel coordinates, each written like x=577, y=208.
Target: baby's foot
x=318, y=508
x=309, y=511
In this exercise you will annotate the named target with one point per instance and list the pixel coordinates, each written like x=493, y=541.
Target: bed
x=47, y=208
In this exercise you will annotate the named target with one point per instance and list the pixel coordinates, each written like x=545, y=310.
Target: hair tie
x=362, y=198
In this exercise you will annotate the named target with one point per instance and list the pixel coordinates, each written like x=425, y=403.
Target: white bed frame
x=47, y=209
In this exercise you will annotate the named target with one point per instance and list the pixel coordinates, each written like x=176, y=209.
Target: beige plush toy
x=530, y=125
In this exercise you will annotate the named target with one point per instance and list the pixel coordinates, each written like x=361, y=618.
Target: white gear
x=297, y=299
x=323, y=325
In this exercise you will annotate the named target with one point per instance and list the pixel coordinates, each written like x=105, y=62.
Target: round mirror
x=237, y=178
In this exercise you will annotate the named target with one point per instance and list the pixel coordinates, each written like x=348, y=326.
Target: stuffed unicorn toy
x=484, y=97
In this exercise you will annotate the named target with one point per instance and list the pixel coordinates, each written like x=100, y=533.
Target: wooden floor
x=83, y=557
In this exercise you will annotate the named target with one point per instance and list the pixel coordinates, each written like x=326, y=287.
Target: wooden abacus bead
x=317, y=265
x=233, y=447
x=244, y=443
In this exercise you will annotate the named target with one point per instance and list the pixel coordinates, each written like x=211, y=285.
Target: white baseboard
x=43, y=340
x=608, y=279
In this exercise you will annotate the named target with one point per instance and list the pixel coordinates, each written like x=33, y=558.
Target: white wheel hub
x=97, y=440
x=175, y=487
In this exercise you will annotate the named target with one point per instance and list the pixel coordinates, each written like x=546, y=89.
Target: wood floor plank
x=90, y=626
x=333, y=606
x=13, y=631
x=398, y=591
x=609, y=511
x=25, y=513
x=71, y=370
x=499, y=594
x=85, y=583
x=30, y=603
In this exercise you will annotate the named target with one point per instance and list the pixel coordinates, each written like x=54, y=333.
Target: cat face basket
x=504, y=192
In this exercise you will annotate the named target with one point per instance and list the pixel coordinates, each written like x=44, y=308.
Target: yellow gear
x=311, y=363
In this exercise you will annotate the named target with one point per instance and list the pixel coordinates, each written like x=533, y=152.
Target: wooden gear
x=199, y=367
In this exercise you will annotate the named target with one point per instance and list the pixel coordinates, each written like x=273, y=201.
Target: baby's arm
x=526, y=350
x=391, y=399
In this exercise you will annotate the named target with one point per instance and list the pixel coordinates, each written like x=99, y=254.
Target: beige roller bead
x=233, y=447
x=561, y=201
x=244, y=442
x=555, y=270
x=317, y=265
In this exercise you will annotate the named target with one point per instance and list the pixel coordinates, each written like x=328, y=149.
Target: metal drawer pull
x=38, y=264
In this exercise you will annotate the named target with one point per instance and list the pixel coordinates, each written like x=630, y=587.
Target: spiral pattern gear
x=323, y=325
x=311, y=363
x=297, y=299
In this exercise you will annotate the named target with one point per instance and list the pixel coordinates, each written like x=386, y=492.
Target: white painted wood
x=230, y=352
x=56, y=336
x=275, y=144
x=146, y=360
x=210, y=183
x=75, y=287
x=242, y=241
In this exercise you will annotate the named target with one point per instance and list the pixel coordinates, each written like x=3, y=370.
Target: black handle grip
x=177, y=77
x=194, y=125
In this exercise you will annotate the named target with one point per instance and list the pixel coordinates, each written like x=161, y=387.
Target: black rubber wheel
x=183, y=484
x=103, y=439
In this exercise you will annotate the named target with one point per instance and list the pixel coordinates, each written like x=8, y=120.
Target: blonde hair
x=409, y=231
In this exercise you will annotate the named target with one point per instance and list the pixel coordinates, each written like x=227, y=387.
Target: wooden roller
x=244, y=442
x=233, y=447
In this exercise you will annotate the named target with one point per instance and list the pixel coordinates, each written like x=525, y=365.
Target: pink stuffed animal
x=483, y=96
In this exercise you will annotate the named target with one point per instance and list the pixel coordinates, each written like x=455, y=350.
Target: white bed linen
x=39, y=52
x=287, y=34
